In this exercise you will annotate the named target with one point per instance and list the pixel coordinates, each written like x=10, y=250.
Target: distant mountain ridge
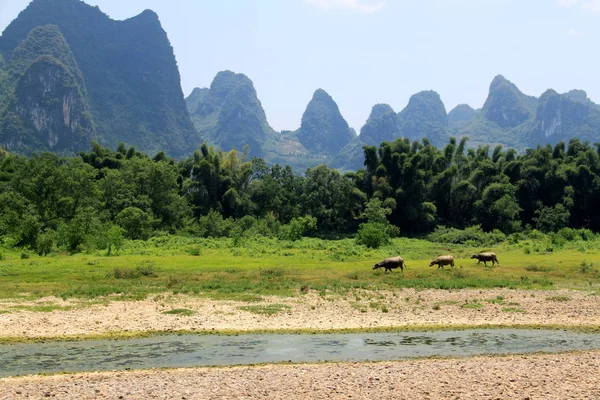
x=69, y=74
x=513, y=119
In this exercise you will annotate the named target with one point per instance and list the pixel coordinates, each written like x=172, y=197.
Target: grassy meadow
x=247, y=269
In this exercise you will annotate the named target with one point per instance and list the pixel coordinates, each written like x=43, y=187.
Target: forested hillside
x=96, y=198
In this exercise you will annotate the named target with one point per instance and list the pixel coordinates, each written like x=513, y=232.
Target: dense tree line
x=99, y=197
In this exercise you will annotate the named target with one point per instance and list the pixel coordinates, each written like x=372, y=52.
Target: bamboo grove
x=94, y=199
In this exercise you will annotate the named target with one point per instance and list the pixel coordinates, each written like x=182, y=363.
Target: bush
x=297, y=228
x=472, y=235
x=114, y=238
x=214, y=225
x=267, y=226
x=373, y=235
x=45, y=243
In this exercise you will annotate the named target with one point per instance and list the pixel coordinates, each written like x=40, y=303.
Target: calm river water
x=213, y=350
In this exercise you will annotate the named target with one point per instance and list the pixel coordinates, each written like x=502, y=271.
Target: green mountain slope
x=130, y=72
x=460, y=116
x=424, y=117
x=323, y=129
x=229, y=115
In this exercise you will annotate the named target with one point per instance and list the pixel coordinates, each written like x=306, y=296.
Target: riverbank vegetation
x=123, y=223
x=96, y=200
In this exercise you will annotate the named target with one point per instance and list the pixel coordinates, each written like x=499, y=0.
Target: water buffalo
x=390, y=264
x=485, y=257
x=443, y=260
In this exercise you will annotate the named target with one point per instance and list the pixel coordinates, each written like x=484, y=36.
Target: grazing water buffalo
x=390, y=264
x=485, y=257
x=443, y=260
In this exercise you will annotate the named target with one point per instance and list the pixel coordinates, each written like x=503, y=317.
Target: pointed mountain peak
x=148, y=14
x=381, y=125
x=323, y=129
x=199, y=92
x=427, y=101
x=424, y=117
x=500, y=80
x=45, y=41
x=42, y=40
x=578, y=95
x=380, y=109
x=506, y=105
x=194, y=99
x=321, y=97
x=461, y=115
x=462, y=112
x=321, y=94
x=229, y=114
x=549, y=93
x=226, y=81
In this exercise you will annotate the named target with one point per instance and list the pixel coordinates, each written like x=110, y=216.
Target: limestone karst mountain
x=69, y=74
x=229, y=114
x=118, y=81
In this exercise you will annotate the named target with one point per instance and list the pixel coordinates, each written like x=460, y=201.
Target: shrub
x=297, y=228
x=114, y=238
x=214, y=225
x=472, y=235
x=373, y=235
x=146, y=269
x=536, y=235
x=45, y=243
x=194, y=251
x=586, y=267
x=247, y=222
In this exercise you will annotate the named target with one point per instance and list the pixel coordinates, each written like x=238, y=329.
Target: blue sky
x=364, y=52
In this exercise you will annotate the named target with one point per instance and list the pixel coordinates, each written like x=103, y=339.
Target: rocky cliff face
x=323, y=129
x=47, y=107
x=560, y=117
x=49, y=99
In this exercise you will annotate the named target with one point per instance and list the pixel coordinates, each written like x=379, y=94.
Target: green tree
x=136, y=223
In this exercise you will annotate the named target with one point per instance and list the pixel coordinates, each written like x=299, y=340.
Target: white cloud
x=592, y=5
x=588, y=5
x=574, y=33
x=355, y=5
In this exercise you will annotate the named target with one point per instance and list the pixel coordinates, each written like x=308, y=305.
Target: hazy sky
x=364, y=52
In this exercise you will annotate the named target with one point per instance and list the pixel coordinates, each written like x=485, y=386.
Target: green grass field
x=228, y=269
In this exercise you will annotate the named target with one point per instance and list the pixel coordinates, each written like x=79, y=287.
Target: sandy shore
x=357, y=310
x=557, y=376
x=566, y=376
